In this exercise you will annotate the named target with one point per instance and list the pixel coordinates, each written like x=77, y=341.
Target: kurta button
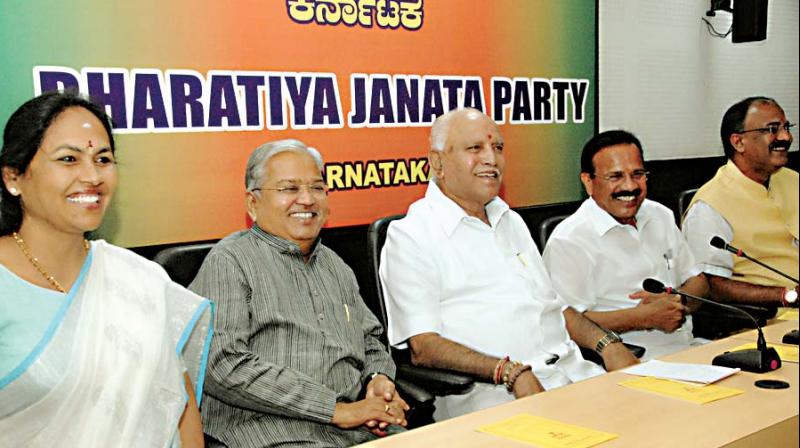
x=320, y=316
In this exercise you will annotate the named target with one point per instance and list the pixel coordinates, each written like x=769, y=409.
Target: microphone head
x=718, y=242
x=653, y=286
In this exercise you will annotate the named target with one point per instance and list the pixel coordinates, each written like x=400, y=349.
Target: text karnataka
x=149, y=100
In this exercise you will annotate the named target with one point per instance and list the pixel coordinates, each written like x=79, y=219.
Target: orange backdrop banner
x=193, y=89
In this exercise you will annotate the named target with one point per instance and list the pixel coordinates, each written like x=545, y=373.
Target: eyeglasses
x=618, y=176
x=773, y=128
x=316, y=190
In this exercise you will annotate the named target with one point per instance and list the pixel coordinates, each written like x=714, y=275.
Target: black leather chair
x=183, y=262
x=546, y=227
x=712, y=322
x=535, y=217
x=436, y=381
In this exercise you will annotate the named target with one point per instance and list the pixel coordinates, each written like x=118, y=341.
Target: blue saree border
x=201, y=373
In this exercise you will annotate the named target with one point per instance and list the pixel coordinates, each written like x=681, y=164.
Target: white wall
x=667, y=80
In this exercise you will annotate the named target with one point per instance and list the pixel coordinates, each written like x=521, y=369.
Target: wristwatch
x=609, y=338
x=789, y=297
x=371, y=377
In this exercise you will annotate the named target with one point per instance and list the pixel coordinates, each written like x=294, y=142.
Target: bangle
x=498, y=369
x=515, y=375
x=510, y=367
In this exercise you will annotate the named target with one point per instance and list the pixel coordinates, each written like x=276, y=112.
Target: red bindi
x=90, y=144
x=489, y=135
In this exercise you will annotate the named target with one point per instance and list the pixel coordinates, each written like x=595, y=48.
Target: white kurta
x=482, y=286
x=595, y=263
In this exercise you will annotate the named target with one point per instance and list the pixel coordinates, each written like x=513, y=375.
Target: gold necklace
x=35, y=261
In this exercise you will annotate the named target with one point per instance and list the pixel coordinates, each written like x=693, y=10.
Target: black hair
x=604, y=140
x=23, y=136
x=733, y=121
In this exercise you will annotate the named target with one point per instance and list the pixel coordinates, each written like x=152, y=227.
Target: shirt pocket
x=668, y=269
x=349, y=323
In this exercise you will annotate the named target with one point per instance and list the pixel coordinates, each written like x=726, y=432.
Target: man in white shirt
x=465, y=286
x=599, y=256
x=754, y=183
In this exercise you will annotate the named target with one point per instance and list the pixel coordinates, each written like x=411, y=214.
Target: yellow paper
x=788, y=353
x=700, y=394
x=790, y=314
x=546, y=433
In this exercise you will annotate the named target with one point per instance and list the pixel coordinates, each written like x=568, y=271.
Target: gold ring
x=387, y=408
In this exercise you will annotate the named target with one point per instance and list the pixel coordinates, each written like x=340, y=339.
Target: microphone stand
x=759, y=360
x=717, y=241
x=792, y=337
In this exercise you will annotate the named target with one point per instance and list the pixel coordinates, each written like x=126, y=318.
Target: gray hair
x=440, y=129
x=257, y=163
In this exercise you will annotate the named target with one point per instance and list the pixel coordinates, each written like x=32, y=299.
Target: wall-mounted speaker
x=749, y=21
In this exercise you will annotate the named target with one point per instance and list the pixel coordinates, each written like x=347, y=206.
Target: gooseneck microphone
x=761, y=359
x=720, y=243
x=717, y=241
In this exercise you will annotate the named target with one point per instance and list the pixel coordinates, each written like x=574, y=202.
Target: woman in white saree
x=98, y=348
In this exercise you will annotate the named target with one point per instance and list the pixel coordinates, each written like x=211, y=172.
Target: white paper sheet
x=696, y=373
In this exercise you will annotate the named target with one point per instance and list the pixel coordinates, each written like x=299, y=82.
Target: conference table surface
x=758, y=417
x=773, y=333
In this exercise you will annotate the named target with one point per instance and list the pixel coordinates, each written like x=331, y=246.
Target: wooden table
x=759, y=417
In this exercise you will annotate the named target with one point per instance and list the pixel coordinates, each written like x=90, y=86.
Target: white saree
x=109, y=369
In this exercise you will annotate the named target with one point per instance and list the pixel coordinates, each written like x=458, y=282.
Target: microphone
x=719, y=243
x=792, y=337
x=759, y=360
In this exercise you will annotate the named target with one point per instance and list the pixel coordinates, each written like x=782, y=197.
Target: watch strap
x=609, y=338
